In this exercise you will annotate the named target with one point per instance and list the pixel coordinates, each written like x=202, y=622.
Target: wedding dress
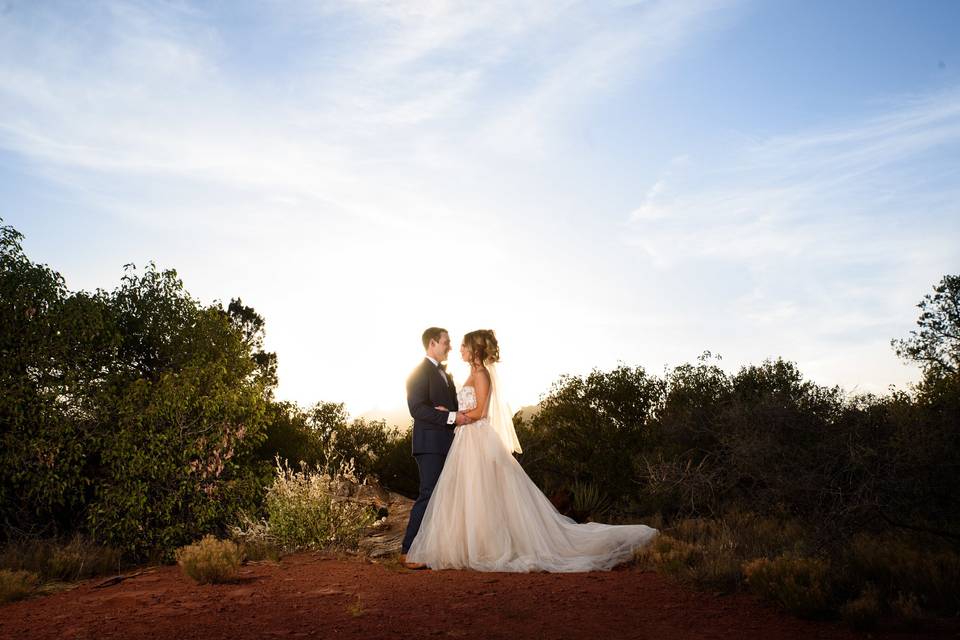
x=487, y=514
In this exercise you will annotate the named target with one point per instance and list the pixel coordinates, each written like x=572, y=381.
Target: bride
x=486, y=513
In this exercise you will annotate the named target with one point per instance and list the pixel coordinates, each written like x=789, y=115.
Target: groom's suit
x=428, y=387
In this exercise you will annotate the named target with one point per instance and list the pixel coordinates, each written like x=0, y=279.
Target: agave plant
x=588, y=501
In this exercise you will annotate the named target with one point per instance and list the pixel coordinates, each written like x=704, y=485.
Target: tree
x=936, y=346
x=134, y=414
x=253, y=327
x=589, y=428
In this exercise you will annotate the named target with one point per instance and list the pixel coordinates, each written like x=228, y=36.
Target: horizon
x=601, y=183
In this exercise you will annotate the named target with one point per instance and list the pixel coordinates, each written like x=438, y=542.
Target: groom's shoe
x=411, y=565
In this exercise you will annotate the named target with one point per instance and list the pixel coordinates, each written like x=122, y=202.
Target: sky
x=602, y=183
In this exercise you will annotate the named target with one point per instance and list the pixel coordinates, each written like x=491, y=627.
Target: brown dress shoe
x=411, y=565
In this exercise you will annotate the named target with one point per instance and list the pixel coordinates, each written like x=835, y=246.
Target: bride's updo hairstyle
x=483, y=345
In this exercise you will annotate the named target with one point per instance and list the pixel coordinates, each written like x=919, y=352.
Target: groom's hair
x=433, y=333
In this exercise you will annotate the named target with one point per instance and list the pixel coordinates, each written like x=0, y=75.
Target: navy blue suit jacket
x=428, y=387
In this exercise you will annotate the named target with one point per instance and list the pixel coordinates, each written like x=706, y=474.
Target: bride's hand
x=441, y=408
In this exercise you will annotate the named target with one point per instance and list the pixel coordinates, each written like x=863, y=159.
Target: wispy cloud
x=374, y=93
x=825, y=233
x=819, y=193
x=300, y=153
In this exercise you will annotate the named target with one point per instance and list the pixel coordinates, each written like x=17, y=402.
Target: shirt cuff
x=452, y=418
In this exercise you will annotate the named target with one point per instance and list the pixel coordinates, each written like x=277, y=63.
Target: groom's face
x=441, y=348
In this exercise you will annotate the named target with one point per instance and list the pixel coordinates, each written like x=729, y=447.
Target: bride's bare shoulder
x=481, y=377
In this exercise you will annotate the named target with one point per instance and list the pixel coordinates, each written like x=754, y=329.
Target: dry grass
x=60, y=560
x=864, y=611
x=356, y=609
x=306, y=511
x=255, y=551
x=710, y=553
x=799, y=585
x=210, y=560
x=16, y=585
x=669, y=555
x=892, y=577
x=910, y=574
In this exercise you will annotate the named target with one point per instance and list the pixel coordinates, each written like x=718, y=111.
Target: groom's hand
x=441, y=408
x=463, y=418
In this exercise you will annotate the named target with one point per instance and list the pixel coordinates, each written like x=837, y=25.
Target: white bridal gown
x=486, y=514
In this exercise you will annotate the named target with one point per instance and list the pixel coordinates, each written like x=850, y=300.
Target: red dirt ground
x=313, y=595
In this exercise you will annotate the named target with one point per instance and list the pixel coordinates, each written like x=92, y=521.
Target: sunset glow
x=598, y=182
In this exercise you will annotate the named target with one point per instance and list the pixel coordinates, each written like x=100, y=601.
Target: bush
x=129, y=415
x=901, y=565
x=16, y=585
x=588, y=501
x=52, y=559
x=799, y=585
x=324, y=436
x=210, y=560
x=255, y=538
x=863, y=611
x=307, y=510
x=670, y=556
x=590, y=429
x=710, y=552
x=907, y=609
x=256, y=551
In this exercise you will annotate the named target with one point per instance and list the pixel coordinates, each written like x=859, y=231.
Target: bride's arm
x=481, y=386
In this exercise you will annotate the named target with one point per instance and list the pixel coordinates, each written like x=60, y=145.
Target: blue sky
x=599, y=182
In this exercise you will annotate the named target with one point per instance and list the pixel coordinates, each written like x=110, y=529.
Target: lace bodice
x=466, y=398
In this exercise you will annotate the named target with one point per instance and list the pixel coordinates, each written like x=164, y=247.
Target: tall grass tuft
x=16, y=585
x=799, y=585
x=210, y=560
x=255, y=538
x=671, y=556
x=864, y=611
x=60, y=560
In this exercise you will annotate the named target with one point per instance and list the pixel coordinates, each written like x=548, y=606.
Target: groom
x=430, y=387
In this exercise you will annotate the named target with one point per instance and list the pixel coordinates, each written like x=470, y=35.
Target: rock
x=386, y=538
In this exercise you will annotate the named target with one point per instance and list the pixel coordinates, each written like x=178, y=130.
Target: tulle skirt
x=486, y=514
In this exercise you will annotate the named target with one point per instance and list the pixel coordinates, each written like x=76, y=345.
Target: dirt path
x=310, y=595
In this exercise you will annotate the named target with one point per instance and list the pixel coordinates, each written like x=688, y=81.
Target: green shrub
x=799, y=585
x=16, y=585
x=129, y=414
x=306, y=509
x=210, y=560
x=324, y=436
x=591, y=428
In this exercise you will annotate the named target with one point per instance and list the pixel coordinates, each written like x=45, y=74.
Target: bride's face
x=465, y=352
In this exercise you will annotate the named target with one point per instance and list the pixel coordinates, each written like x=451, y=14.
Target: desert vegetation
x=825, y=503
x=139, y=424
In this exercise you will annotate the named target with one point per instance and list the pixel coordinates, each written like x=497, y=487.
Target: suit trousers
x=430, y=466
